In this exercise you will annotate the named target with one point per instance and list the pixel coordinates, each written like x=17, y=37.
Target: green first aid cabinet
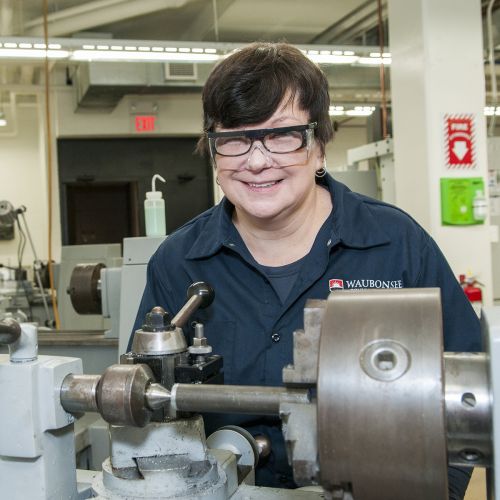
x=462, y=201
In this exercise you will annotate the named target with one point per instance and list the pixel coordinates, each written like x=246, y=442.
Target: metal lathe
x=371, y=407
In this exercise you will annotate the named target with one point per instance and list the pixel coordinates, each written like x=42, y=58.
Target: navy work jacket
x=364, y=244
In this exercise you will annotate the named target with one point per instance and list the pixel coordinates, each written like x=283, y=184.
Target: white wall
x=345, y=138
x=24, y=182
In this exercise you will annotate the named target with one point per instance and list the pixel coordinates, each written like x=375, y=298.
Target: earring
x=321, y=172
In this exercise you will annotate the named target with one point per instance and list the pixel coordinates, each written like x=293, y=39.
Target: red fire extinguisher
x=471, y=289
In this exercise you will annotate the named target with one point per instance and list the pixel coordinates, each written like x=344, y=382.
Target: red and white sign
x=335, y=284
x=460, y=141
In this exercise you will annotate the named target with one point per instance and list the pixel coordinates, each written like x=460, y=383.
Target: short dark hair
x=247, y=87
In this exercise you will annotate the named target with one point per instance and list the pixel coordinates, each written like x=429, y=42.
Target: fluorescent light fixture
x=360, y=111
x=157, y=51
x=332, y=59
x=372, y=60
x=336, y=110
x=108, y=55
x=33, y=53
x=356, y=111
x=492, y=110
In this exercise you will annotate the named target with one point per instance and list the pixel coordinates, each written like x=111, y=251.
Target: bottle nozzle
x=153, y=181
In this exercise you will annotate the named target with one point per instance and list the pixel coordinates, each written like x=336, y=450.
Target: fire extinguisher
x=472, y=291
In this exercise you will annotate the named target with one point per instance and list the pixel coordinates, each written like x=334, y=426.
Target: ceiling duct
x=99, y=86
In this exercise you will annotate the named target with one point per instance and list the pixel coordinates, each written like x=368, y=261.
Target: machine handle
x=200, y=295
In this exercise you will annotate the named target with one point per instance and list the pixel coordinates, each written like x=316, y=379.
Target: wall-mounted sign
x=460, y=148
x=145, y=123
x=462, y=201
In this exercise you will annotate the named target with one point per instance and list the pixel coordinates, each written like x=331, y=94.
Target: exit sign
x=145, y=123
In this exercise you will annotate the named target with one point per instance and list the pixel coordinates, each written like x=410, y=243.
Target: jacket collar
x=353, y=226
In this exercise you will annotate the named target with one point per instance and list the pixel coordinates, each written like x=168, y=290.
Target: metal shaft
x=78, y=393
x=251, y=400
x=10, y=331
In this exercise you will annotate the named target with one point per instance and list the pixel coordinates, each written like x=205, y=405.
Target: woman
x=286, y=232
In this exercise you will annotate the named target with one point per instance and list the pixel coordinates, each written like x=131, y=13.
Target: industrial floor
x=477, y=486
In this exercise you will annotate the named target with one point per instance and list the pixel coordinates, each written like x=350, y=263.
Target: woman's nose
x=258, y=157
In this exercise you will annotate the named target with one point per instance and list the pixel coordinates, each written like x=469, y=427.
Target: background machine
x=371, y=407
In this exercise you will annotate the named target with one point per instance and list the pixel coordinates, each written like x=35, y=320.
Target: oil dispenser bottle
x=154, y=210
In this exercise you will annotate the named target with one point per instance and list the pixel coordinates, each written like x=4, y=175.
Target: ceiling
x=338, y=22
x=329, y=22
x=321, y=22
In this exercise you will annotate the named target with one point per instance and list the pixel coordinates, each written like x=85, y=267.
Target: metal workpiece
x=10, y=331
x=381, y=416
x=121, y=394
x=251, y=400
x=84, y=288
x=159, y=342
x=300, y=435
x=156, y=396
x=469, y=409
x=199, y=295
x=304, y=370
x=79, y=393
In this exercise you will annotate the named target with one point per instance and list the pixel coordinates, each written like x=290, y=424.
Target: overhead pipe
x=97, y=13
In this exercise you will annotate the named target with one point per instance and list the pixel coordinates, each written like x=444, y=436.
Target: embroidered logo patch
x=335, y=284
x=364, y=284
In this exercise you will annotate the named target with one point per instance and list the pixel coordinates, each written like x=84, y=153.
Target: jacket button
x=275, y=337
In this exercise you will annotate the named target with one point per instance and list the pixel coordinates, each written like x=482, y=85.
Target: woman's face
x=256, y=183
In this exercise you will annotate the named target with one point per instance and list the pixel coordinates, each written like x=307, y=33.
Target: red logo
x=335, y=284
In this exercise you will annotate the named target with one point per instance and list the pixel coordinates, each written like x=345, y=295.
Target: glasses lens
x=284, y=142
x=232, y=146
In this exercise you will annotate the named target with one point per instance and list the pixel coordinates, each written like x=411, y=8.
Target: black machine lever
x=200, y=295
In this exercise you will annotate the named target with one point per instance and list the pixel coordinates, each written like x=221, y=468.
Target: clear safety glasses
x=283, y=146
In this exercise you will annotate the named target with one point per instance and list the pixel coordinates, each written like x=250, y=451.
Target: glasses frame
x=259, y=135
